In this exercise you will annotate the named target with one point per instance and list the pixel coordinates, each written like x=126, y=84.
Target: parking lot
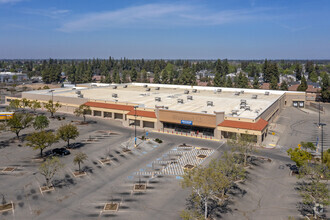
x=114, y=166
x=106, y=182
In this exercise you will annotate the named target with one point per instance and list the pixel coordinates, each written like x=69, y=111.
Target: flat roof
x=135, y=93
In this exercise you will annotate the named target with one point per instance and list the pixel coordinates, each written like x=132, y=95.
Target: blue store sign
x=185, y=122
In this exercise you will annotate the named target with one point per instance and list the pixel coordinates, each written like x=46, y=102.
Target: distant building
x=8, y=77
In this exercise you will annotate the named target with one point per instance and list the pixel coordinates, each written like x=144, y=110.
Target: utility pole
x=135, y=126
x=322, y=125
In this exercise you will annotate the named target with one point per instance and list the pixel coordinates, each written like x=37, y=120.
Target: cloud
x=9, y=1
x=159, y=15
x=51, y=12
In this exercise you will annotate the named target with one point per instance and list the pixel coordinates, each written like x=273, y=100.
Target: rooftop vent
x=237, y=93
x=243, y=101
x=256, y=111
x=204, y=111
x=157, y=88
x=242, y=91
x=74, y=88
x=247, y=107
x=166, y=107
x=219, y=90
x=254, y=96
x=186, y=91
x=80, y=96
x=148, y=89
x=194, y=90
x=242, y=105
x=209, y=103
x=189, y=97
x=114, y=95
x=158, y=99
x=78, y=92
x=114, y=87
x=145, y=86
x=267, y=93
x=180, y=101
x=125, y=86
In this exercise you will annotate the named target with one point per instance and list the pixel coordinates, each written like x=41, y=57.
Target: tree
x=206, y=183
x=156, y=74
x=51, y=107
x=218, y=74
x=244, y=144
x=15, y=104
x=164, y=76
x=303, y=85
x=34, y=105
x=298, y=70
x=313, y=191
x=273, y=83
x=40, y=122
x=41, y=140
x=49, y=168
x=25, y=103
x=67, y=132
x=116, y=77
x=300, y=157
x=19, y=121
x=284, y=86
x=83, y=110
x=133, y=75
x=256, y=82
x=144, y=76
x=229, y=83
x=325, y=87
x=79, y=158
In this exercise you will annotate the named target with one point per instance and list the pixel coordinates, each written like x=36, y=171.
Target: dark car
x=60, y=152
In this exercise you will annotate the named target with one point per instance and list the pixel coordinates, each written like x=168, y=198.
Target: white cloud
x=51, y=12
x=158, y=15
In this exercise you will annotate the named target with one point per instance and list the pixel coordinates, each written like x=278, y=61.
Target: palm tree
x=79, y=158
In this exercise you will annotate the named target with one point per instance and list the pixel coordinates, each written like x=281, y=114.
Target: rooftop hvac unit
x=147, y=89
x=145, y=86
x=242, y=105
x=194, y=90
x=115, y=95
x=166, y=107
x=78, y=92
x=254, y=96
x=189, y=97
x=186, y=91
x=233, y=112
x=267, y=93
x=204, y=111
x=209, y=103
x=80, y=96
x=242, y=91
x=157, y=88
x=243, y=101
x=158, y=99
x=125, y=86
x=247, y=107
x=237, y=93
x=180, y=101
x=159, y=106
x=114, y=87
x=219, y=90
x=74, y=88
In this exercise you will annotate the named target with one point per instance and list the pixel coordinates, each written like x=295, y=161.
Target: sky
x=150, y=29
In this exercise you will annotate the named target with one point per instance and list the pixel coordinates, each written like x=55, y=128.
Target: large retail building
x=209, y=112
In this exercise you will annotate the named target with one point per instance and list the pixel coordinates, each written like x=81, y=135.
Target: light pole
x=322, y=125
x=319, y=114
x=135, y=126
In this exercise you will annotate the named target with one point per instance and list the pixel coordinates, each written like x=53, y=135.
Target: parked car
x=60, y=152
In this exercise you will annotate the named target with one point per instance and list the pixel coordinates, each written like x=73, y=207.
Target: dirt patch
x=111, y=207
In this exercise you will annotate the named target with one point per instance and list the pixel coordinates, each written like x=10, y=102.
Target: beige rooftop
x=226, y=100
